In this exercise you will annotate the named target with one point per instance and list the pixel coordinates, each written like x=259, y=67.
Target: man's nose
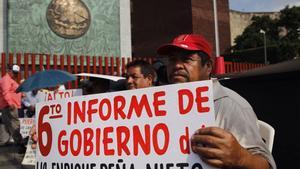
x=178, y=63
x=129, y=79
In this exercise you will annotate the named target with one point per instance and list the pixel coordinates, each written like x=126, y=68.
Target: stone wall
x=240, y=20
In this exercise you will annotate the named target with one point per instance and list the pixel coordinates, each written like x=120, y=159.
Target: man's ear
x=209, y=67
x=151, y=79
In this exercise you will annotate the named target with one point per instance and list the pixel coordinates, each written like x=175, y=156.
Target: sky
x=261, y=5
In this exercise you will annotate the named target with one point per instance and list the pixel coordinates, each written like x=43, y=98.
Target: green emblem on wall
x=73, y=27
x=68, y=18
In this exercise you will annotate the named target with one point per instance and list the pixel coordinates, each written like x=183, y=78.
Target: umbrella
x=45, y=78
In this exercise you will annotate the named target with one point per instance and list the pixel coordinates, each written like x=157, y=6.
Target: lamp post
x=265, y=45
x=216, y=28
x=219, y=61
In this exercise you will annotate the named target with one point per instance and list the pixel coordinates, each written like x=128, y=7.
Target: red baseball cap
x=190, y=42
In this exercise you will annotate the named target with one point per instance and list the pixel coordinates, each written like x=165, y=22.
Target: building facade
x=156, y=22
x=116, y=27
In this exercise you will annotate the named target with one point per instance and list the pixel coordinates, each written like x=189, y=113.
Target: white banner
x=29, y=157
x=25, y=126
x=45, y=96
x=136, y=129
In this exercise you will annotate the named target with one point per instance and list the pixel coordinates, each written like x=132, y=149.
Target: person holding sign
x=236, y=142
x=140, y=74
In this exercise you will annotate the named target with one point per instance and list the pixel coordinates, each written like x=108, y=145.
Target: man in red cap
x=236, y=142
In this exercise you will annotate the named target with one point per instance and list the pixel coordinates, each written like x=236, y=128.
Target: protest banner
x=136, y=129
x=25, y=126
x=56, y=95
x=42, y=96
x=29, y=158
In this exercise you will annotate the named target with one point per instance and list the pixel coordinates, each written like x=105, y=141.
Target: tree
x=282, y=46
x=251, y=38
x=290, y=43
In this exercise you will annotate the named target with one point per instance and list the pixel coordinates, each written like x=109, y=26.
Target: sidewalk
x=10, y=159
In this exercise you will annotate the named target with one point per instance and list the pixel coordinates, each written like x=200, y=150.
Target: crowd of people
x=15, y=105
x=10, y=103
x=234, y=142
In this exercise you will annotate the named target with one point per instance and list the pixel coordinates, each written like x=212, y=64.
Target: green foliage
x=251, y=38
x=280, y=46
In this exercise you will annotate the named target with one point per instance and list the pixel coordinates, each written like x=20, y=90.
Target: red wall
x=157, y=22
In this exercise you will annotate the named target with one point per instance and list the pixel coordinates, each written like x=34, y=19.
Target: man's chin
x=131, y=87
x=178, y=79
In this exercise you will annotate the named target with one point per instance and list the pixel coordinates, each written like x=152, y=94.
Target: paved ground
x=10, y=158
